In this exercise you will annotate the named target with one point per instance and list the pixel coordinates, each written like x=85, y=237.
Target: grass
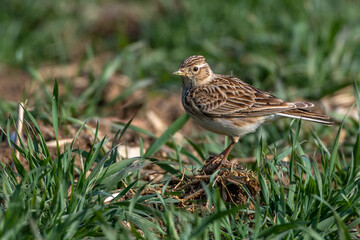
x=310, y=46
x=56, y=199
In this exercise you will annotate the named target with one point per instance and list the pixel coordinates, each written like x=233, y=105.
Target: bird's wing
x=230, y=97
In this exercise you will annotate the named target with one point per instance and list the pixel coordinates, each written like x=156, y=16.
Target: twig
x=216, y=180
x=202, y=176
x=227, y=190
x=19, y=128
x=193, y=182
x=194, y=195
x=132, y=191
x=182, y=178
x=61, y=142
x=233, y=181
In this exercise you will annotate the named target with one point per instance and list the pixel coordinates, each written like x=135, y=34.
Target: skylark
x=229, y=106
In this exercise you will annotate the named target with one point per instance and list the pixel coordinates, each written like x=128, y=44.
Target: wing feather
x=230, y=97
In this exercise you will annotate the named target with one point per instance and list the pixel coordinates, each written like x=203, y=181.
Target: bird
x=229, y=106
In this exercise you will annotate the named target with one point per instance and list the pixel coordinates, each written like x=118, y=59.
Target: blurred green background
x=311, y=45
x=294, y=49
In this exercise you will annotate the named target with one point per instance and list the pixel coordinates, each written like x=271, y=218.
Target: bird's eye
x=195, y=69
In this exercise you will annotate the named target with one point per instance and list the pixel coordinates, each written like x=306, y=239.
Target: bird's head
x=194, y=71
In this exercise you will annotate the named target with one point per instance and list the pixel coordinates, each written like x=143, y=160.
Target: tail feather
x=307, y=115
x=303, y=105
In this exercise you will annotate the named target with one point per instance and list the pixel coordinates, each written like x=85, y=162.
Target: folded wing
x=231, y=97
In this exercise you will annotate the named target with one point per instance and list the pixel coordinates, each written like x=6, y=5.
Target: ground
x=154, y=113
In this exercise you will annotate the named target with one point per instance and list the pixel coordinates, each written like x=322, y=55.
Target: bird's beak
x=179, y=73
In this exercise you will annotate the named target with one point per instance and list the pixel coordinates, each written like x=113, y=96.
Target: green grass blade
x=295, y=142
x=257, y=219
x=334, y=156
x=19, y=167
x=121, y=125
x=124, y=191
x=357, y=98
x=196, y=148
x=343, y=232
x=164, y=166
x=140, y=84
x=172, y=129
x=208, y=220
x=277, y=229
x=98, y=85
x=356, y=151
x=54, y=110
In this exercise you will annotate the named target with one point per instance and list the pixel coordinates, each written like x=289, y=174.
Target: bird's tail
x=307, y=115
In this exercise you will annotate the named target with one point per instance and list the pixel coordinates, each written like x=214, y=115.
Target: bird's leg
x=227, y=151
x=214, y=164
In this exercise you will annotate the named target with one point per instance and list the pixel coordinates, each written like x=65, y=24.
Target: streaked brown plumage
x=229, y=106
